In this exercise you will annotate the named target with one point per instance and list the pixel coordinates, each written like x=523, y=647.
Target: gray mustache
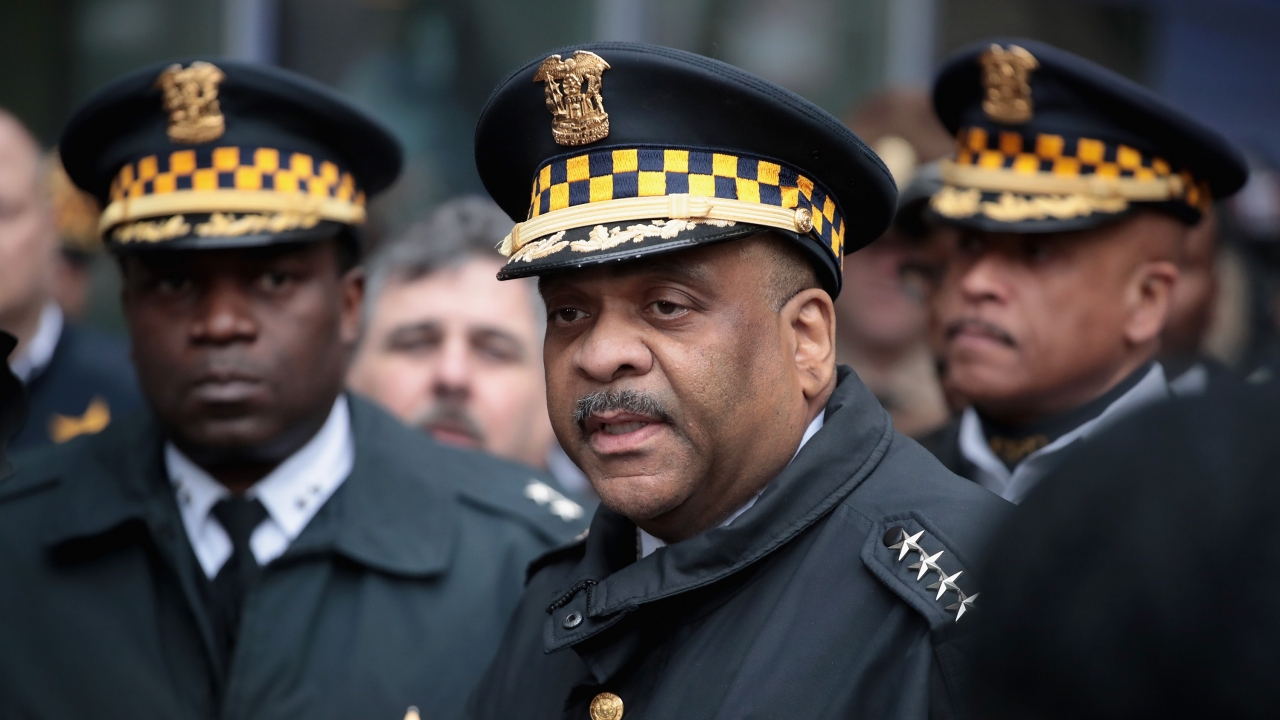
x=632, y=401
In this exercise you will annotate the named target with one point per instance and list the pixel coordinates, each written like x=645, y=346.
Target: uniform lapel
x=386, y=516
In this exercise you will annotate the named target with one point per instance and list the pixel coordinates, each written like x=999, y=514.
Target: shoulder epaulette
x=917, y=562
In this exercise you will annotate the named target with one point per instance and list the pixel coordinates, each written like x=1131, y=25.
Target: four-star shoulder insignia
x=897, y=539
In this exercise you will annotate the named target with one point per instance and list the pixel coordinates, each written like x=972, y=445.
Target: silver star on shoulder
x=966, y=602
x=944, y=584
x=908, y=544
x=928, y=564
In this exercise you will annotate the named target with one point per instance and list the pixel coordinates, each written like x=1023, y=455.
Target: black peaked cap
x=661, y=97
x=263, y=106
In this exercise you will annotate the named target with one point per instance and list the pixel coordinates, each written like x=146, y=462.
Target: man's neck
x=1019, y=412
x=238, y=469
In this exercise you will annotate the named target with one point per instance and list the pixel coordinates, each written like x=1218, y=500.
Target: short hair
x=462, y=229
x=790, y=271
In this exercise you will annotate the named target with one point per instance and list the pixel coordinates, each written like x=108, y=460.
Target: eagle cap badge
x=191, y=99
x=1006, y=76
x=573, y=97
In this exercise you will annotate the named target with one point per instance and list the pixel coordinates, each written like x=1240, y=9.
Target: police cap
x=218, y=153
x=611, y=151
x=1049, y=142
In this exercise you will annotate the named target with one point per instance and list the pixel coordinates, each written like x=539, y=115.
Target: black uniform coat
x=88, y=383
x=795, y=610
x=395, y=594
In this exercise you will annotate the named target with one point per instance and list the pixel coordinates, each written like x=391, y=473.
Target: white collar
x=1014, y=486
x=38, y=353
x=292, y=493
x=649, y=543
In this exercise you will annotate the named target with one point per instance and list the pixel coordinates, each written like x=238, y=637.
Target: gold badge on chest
x=191, y=99
x=1006, y=75
x=573, y=97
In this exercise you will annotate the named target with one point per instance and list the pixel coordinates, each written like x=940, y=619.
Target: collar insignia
x=1006, y=75
x=191, y=99
x=573, y=97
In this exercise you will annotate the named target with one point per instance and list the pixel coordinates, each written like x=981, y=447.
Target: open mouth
x=619, y=432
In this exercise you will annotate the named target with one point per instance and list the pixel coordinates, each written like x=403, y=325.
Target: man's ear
x=352, y=304
x=811, y=319
x=1150, y=297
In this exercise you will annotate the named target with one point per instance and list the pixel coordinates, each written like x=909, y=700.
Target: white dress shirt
x=291, y=494
x=649, y=543
x=38, y=353
x=1014, y=485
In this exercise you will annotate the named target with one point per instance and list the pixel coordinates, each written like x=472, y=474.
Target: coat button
x=893, y=536
x=606, y=706
x=572, y=620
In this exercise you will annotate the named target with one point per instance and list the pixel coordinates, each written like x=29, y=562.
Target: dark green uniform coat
x=798, y=609
x=395, y=594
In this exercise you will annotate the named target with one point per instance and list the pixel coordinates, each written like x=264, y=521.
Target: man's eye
x=273, y=280
x=173, y=284
x=666, y=308
x=564, y=316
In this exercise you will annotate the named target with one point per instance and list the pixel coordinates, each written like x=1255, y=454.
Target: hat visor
x=600, y=245
x=322, y=230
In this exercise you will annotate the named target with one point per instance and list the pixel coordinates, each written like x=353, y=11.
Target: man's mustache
x=955, y=327
x=630, y=401
x=453, y=416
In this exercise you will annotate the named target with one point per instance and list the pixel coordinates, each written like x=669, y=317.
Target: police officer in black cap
x=259, y=544
x=767, y=546
x=1075, y=191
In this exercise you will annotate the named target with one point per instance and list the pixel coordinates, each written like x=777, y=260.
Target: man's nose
x=454, y=371
x=985, y=279
x=613, y=348
x=224, y=314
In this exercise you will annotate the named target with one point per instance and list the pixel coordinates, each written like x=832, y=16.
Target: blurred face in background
x=1035, y=324
x=876, y=311
x=459, y=354
x=28, y=237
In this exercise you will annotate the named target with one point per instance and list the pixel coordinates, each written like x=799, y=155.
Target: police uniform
x=388, y=563
x=12, y=403
x=846, y=588
x=1050, y=142
x=78, y=380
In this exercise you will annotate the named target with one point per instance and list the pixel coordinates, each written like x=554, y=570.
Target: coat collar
x=609, y=581
x=386, y=516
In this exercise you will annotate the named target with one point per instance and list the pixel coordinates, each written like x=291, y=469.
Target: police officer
x=259, y=544
x=1075, y=190
x=767, y=546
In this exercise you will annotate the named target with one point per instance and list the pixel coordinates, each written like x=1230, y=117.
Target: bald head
x=28, y=236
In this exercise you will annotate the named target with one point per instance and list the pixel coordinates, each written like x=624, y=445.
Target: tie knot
x=239, y=516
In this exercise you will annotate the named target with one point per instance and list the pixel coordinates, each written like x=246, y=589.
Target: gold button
x=606, y=706
x=804, y=220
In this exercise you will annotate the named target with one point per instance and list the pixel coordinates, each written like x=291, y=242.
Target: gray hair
x=459, y=230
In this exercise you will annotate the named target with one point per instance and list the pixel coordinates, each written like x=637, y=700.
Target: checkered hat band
x=1061, y=156
x=235, y=168
x=615, y=174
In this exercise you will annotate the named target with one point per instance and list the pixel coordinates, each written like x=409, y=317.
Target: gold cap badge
x=573, y=97
x=1006, y=75
x=606, y=706
x=191, y=99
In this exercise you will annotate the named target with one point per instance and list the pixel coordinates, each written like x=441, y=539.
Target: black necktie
x=239, y=516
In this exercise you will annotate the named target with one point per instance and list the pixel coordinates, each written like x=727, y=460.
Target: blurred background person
x=1139, y=581
x=882, y=323
x=1051, y=308
x=75, y=214
x=77, y=379
x=452, y=351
